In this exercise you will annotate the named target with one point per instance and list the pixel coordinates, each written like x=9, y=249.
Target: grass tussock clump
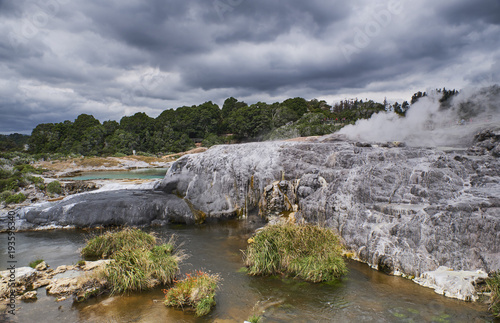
x=140, y=269
x=105, y=245
x=308, y=252
x=494, y=286
x=196, y=291
x=138, y=264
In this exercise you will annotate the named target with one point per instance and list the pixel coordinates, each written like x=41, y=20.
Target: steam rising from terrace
x=432, y=124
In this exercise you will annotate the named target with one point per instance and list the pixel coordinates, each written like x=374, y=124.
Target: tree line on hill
x=178, y=130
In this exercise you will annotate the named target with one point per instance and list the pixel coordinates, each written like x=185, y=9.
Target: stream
x=363, y=295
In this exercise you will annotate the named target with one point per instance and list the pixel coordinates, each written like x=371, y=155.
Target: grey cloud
x=464, y=12
x=101, y=51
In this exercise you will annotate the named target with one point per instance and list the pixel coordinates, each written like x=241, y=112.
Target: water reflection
x=363, y=295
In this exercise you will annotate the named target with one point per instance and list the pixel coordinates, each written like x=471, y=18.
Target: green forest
x=176, y=130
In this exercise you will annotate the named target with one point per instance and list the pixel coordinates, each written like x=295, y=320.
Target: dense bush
x=14, y=176
x=15, y=198
x=4, y=195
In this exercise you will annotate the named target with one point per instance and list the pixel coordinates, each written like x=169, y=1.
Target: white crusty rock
x=455, y=284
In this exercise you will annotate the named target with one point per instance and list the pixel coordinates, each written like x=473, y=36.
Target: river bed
x=364, y=295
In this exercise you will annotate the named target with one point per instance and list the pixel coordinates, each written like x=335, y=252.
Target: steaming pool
x=364, y=295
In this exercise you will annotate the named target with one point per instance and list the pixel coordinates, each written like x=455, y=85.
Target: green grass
x=307, y=252
x=196, y=291
x=105, y=245
x=35, y=263
x=139, y=263
x=494, y=285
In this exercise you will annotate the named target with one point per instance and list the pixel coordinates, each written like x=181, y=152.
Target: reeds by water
x=308, y=252
x=138, y=264
x=196, y=291
x=494, y=286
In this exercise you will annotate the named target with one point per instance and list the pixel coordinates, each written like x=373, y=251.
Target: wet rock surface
x=80, y=282
x=109, y=208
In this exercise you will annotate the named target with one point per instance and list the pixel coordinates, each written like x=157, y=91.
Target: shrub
x=304, y=251
x=16, y=198
x=27, y=168
x=5, y=173
x=35, y=179
x=54, y=187
x=196, y=291
x=11, y=184
x=35, y=263
x=105, y=245
x=494, y=286
x=4, y=195
x=119, y=155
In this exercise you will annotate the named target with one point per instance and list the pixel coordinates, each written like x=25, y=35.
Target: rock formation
x=80, y=282
x=403, y=210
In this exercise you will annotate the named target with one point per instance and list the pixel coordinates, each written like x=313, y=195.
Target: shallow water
x=147, y=173
x=363, y=295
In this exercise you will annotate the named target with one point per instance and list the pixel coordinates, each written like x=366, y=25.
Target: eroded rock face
x=401, y=209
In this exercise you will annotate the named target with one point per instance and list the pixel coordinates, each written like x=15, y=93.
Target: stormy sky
x=61, y=58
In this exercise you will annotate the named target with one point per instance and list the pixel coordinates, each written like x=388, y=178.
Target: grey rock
x=404, y=210
x=110, y=208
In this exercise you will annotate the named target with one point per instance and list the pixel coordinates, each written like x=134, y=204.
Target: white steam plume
x=428, y=123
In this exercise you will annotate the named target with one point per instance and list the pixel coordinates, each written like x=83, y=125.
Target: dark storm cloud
x=60, y=58
x=263, y=21
x=9, y=8
x=470, y=12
